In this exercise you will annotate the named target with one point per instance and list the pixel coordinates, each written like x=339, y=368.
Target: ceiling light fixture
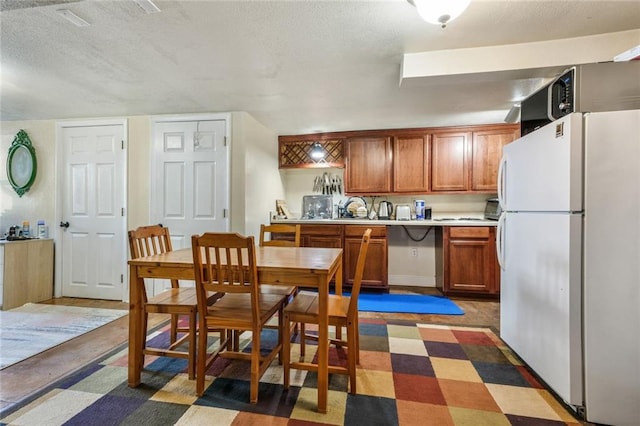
x=148, y=6
x=317, y=152
x=440, y=12
x=72, y=17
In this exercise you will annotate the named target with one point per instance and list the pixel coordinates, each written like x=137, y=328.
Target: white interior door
x=190, y=179
x=93, y=257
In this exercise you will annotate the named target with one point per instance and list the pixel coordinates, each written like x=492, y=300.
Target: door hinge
x=121, y=278
x=122, y=212
x=225, y=141
x=122, y=144
x=224, y=213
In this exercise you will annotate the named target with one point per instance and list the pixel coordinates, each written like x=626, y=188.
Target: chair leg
x=145, y=321
x=281, y=325
x=351, y=355
x=356, y=339
x=255, y=365
x=192, y=346
x=302, y=339
x=286, y=350
x=174, y=328
x=201, y=359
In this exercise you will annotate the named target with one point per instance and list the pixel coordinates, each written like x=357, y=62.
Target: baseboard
x=412, y=280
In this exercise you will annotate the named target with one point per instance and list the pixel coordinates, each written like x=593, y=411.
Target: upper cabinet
x=411, y=154
x=414, y=161
x=450, y=161
x=486, y=153
x=468, y=161
x=295, y=152
x=368, y=165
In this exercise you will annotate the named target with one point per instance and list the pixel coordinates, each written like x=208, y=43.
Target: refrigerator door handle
x=501, y=182
x=500, y=241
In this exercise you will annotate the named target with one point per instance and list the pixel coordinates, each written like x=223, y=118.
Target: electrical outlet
x=414, y=252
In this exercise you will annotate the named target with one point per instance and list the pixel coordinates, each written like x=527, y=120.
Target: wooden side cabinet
x=466, y=261
x=26, y=273
x=375, y=269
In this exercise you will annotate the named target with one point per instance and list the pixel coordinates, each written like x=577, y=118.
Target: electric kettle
x=385, y=210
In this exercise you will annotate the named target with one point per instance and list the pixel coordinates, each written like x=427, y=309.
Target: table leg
x=136, y=335
x=323, y=343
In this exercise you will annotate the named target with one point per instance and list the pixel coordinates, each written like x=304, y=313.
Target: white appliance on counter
x=569, y=252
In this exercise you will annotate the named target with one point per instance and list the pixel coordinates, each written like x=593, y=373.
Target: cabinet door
x=411, y=164
x=368, y=165
x=471, y=259
x=375, y=268
x=450, y=161
x=487, y=151
x=328, y=236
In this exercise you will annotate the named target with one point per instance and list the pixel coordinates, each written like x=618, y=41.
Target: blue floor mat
x=408, y=303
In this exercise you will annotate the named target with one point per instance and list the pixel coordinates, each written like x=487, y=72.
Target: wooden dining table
x=288, y=266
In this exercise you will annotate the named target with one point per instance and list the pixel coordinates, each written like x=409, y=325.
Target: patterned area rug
x=34, y=328
x=410, y=374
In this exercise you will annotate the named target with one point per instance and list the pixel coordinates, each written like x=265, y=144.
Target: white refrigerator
x=569, y=251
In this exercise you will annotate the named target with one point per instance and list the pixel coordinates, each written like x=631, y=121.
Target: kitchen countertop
x=453, y=219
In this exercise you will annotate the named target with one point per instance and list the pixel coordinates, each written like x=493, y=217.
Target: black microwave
x=607, y=86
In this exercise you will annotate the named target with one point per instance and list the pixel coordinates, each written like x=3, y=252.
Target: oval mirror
x=21, y=163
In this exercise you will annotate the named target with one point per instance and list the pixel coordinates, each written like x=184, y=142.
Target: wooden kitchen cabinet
x=368, y=165
x=450, y=153
x=466, y=261
x=26, y=272
x=328, y=236
x=468, y=161
x=375, y=269
x=454, y=160
x=411, y=161
x=349, y=237
x=486, y=154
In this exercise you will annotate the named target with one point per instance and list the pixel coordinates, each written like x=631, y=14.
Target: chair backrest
x=292, y=232
x=357, y=280
x=224, y=262
x=149, y=240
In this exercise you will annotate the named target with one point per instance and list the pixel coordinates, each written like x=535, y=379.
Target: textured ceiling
x=296, y=66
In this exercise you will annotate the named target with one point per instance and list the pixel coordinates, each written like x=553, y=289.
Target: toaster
x=403, y=212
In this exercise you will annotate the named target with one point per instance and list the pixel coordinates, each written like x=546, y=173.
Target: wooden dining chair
x=226, y=263
x=343, y=312
x=176, y=301
x=289, y=236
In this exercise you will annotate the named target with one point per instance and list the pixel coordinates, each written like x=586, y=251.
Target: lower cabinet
x=375, y=268
x=26, y=272
x=328, y=236
x=466, y=261
x=348, y=237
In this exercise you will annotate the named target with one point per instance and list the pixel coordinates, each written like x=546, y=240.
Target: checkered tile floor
x=409, y=374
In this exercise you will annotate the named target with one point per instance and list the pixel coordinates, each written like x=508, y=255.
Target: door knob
x=64, y=224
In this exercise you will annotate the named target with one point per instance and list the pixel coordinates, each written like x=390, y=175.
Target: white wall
x=255, y=181
x=39, y=201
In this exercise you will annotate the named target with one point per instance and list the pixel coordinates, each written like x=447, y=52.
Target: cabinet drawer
x=321, y=230
x=469, y=232
x=358, y=231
